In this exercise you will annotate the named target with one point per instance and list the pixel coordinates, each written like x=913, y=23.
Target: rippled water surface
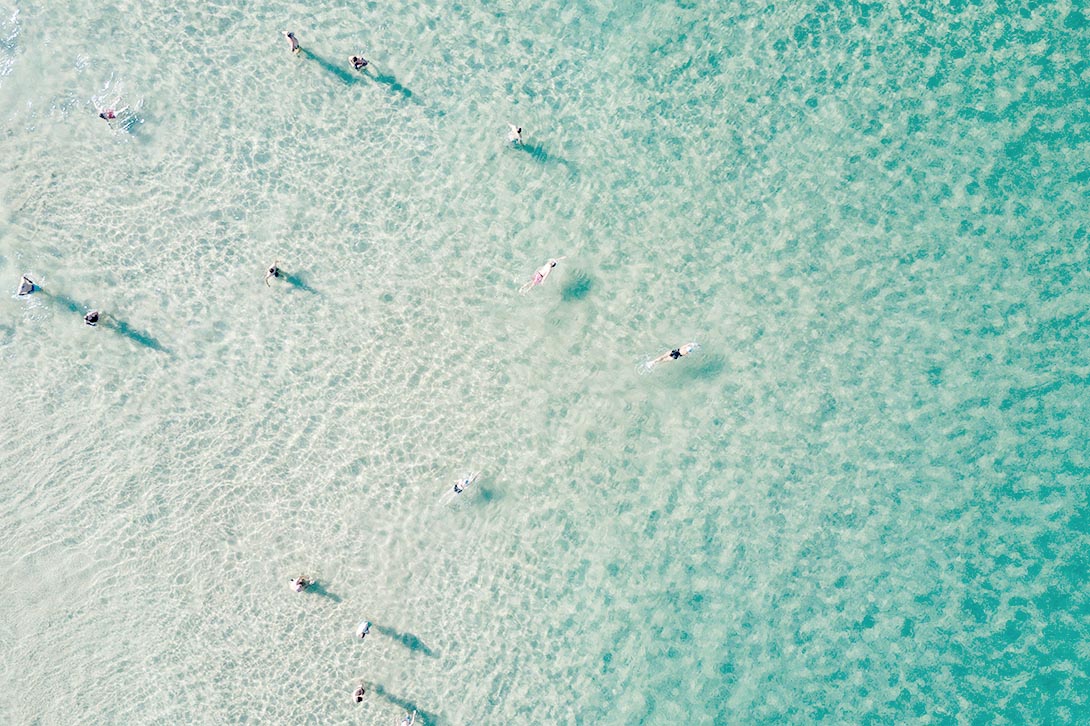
x=863, y=500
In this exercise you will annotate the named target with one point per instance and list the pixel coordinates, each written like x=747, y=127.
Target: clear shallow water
x=863, y=501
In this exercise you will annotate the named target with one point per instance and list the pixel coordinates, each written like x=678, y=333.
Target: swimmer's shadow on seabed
x=390, y=81
x=298, y=283
x=706, y=367
x=139, y=126
x=577, y=286
x=538, y=153
x=316, y=588
x=404, y=704
x=352, y=77
x=408, y=640
x=112, y=322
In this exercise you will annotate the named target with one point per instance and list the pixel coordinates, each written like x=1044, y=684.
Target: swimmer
x=273, y=271
x=673, y=354
x=515, y=134
x=298, y=584
x=108, y=115
x=359, y=693
x=541, y=274
x=363, y=629
x=91, y=318
x=27, y=286
x=409, y=719
x=293, y=41
x=462, y=484
x=358, y=62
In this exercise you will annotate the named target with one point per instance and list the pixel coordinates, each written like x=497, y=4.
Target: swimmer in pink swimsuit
x=541, y=274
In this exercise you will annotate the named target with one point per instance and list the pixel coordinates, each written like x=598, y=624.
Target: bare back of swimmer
x=541, y=274
x=673, y=354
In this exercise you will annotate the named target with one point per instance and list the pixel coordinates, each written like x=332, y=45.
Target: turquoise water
x=862, y=501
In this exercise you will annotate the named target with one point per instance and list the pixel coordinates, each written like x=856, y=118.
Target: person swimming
x=91, y=318
x=409, y=719
x=363, y=629
x=515, y=134
x=673, y=354
x=298, y=584
x=27, y=286
x=273, y=271
x=462, y=484
x=541, y=274
x=293, y=41
x=108, y=115
x=359, y=693
x=358, y=62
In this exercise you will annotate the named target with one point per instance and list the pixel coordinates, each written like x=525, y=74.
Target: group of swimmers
x=301, y=583
x=28, y=286
x=358, y=62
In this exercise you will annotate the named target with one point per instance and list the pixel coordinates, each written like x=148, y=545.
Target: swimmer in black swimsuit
x=673, y=354
x=274, y=271
x=293, y=40
x=359, y=693
x=358, y=62
x=91, y=318
x=27, y=286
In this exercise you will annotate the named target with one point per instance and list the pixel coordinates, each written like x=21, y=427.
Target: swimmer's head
x=552, y=263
